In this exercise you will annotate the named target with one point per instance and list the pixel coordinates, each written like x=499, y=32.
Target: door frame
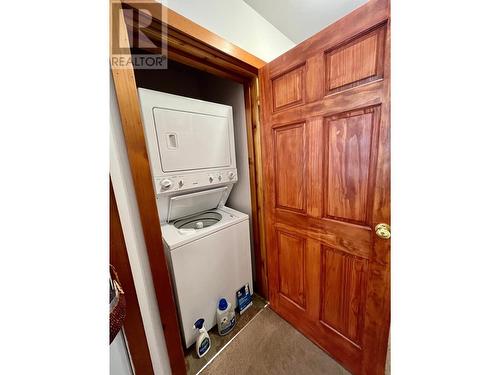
x=192, y=45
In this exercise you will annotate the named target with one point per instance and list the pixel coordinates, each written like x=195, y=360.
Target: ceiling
x=300, y=19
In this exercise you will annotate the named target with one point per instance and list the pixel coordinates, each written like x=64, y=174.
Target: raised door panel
x=348, y=151
x=291, y=267
x=357, y=62
x=290, y=158
x=343, y=285
x=288, y=88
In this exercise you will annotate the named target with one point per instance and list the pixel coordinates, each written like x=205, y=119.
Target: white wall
x=300, y=19
x=134, y=239
x=237, y=22
x=119, y=360
x=231, y=93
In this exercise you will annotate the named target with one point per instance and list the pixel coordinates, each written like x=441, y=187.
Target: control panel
x=190, y=181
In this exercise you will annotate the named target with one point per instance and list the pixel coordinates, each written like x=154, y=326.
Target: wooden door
x=325, y=136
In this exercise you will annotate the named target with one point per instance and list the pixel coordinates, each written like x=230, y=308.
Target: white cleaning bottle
x=203, y=341
x=226, y=319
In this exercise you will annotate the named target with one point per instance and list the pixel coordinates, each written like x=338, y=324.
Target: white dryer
x=192, y=157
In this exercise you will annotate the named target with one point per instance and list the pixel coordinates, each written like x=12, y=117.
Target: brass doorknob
x=383, y=231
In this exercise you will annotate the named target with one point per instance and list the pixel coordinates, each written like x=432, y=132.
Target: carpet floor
x=269, y=345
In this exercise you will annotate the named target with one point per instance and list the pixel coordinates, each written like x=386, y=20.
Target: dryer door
x=192, y=141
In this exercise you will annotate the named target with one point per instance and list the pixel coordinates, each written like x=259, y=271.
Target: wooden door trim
x=190, y=44
x=196, y=33
x=130, y=115
x=133, y=325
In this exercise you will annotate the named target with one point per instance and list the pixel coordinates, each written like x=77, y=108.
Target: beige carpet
x=269, y=345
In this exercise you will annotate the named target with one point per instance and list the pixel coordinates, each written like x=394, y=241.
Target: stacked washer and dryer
x=191, y=151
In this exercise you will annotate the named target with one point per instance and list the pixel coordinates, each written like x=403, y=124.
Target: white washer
x=208, y=264
x=191, y=151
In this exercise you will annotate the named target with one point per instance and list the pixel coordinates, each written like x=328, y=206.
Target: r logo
x=132, y=45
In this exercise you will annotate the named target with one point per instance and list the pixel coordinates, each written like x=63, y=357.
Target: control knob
x=181, y=183
x=166, y=184
x=220, y=178
x=210, y=178
x=231, y=175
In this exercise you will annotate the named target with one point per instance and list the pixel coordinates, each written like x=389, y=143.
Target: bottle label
x=205, y=345
x=225, y=329
x=244, y=298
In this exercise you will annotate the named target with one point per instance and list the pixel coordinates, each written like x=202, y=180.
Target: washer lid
x=188, y=204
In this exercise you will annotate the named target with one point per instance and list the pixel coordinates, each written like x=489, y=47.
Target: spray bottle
x=203, y=341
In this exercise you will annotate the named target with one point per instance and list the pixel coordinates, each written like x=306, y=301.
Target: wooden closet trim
x=195, y=32
x=189, y=44
x=130, y=115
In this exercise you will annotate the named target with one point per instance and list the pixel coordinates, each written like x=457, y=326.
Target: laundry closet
x=284, y=186
x=196, y=136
